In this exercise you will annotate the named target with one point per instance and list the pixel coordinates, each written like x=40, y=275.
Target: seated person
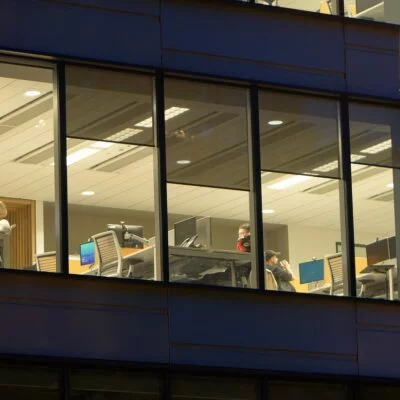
x=243, y=241
x=281, y=271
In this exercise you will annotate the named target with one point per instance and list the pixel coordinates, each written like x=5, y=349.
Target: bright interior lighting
x=335, y=165
x=268, y=211
x=390, y=185
x=169, y=113
x=387, y=144
x=275, y=122
x=101, y=145
x=183, y=162
x=40, y=123
x=124, y=134
x=286, y=183
x=80, y=155
x=32, y=93
x=87, y=193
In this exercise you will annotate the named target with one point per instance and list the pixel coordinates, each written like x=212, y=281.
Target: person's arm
x=286, y=265
x=280, y=273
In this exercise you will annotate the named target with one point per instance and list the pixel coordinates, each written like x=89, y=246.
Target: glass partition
x=26, y=168
x=319, y=6
x=208, y=184
x=300, y=193
x=110, y=174
x=375, y=177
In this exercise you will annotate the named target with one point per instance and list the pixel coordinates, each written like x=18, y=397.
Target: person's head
x=244, y=230
x=271, y=257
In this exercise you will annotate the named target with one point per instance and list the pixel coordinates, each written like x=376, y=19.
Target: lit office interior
x=373, y=136
x=110, y=173
x=207, y=182
x=300, y=191
x=373, y=10
x=26, y=163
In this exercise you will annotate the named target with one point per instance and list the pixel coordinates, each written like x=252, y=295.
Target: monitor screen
x=311, y=271
x=392, y=247
x=87, y=253
x=203, y=226
x=184, y=230
x=128, y=235
x=378, y=251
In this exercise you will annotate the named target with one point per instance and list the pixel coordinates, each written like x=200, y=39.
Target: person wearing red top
x=243, y=241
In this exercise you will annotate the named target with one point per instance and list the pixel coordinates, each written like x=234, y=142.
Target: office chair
x=270, y=281
x=46, y=262
x=110, y=260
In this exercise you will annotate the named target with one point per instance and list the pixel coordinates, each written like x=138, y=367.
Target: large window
x=208, y=183
x=320, y=6
x=110, y=174
x=26, y=168
x=375, y=178
x=300, y=193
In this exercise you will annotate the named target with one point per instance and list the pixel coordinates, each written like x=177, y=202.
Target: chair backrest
x=108, y=250
x=46, y=262
x=335, y=264
x=270, y=281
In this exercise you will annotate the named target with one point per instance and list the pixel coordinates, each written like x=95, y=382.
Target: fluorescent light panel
x=335, y=165
x=387, y=144
x=289, y=182
x=169, y=113
x=81, y=154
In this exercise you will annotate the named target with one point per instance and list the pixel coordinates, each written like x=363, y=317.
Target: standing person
x=282, y=272
x=5, y=228
x=243, y=241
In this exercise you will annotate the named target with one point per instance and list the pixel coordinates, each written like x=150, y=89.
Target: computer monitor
x=185, y=230
x=87, y=253
x=311, y=271
x=203, y=226
x=392, y=247
x=128, y=235
x=378, y=251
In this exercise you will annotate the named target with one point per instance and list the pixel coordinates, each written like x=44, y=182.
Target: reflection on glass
x=318, y=6
x=300, y=194
x=375, y=180
x=208, y=184
x=110, y=174
x=27, y=169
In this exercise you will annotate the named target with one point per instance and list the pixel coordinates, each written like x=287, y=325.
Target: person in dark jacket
x=243, y=241
x=281, y=270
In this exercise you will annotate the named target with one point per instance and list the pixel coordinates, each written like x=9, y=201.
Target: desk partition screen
x=311, y=271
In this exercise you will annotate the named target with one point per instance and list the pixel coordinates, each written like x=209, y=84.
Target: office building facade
x=160, y=160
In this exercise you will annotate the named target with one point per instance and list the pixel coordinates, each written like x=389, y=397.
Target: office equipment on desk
x=128, y=235
x=87, y=253
x=311, y=271
x=46, y=262
x=203, y=230
x=184, y=231
x=142, y=264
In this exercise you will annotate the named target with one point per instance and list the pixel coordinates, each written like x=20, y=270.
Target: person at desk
x=243, y=241
x=281, y=270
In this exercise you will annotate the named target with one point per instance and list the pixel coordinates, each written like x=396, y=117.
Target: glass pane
x=211, y=388
x=373, y=10
x=110, y=174
x=372, y=392
x=301, y=209
x=306, y=391
x=373, y=137
x=26, y=168
x=208, y=183
x=319, y=6
x=28, y=383
x=114, y=385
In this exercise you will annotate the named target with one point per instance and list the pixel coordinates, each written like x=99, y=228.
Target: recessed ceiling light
x=275, y=122
x=183, y=162
x=268, y=211
x=286, y=183
x=40, y=123
x=87, y=193
x=32, y=93
x=390, y=185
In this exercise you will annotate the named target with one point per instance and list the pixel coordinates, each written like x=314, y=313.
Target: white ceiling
x=131, y=187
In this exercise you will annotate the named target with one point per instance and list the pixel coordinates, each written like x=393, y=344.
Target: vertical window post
x=60, y=166
x=253, y=132
x=160, y=181
x=346, y=199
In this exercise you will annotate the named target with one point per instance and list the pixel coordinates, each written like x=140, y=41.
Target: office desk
x=194, y=264
x=75, y=266
x=386, y=269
